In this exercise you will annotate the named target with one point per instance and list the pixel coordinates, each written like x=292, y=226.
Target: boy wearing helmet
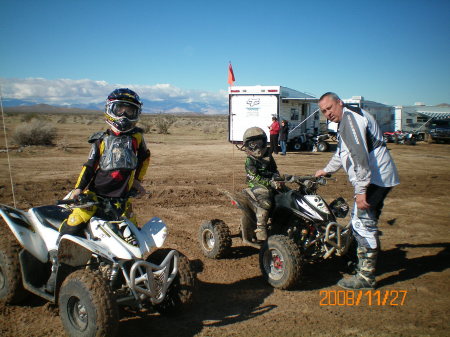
x=117, y=163
x=118, y=159
x=260, y=168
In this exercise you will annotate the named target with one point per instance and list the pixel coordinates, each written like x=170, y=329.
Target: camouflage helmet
x=253, y=133
x=255, y=142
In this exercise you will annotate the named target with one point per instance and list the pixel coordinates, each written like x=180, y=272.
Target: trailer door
x=251, y=110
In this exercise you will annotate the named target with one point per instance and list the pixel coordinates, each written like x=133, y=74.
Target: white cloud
x=86, y=91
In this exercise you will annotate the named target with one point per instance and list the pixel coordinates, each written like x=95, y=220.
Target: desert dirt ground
x=188, y=169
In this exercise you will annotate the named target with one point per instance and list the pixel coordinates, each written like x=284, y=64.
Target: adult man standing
x=362, y=153
x=274, y=130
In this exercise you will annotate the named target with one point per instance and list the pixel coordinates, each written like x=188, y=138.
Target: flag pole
x=231, y=82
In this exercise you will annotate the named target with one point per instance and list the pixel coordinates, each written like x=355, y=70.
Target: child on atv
x=117, y=163
x=261, y=169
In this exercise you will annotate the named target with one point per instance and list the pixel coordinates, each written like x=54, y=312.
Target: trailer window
x=421, y=119
x=294, y=114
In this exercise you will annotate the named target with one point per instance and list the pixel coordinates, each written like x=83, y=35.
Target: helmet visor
x=124, y=109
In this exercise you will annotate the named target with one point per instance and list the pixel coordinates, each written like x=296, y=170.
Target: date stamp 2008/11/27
x=362, y=297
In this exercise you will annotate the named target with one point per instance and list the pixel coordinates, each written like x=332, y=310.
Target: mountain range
x=149, y=106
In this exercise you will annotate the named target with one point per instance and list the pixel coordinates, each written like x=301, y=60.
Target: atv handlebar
x=86, y=200
x=308, y=180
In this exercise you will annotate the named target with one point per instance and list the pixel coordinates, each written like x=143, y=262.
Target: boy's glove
x=76, y=193
x=275, y=184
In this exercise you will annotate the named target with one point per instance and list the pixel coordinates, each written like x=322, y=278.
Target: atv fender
x=76, y=251
x=154, y=233
x=24, y=231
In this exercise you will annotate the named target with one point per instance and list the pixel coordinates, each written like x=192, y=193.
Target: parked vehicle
x=400, y=137
x=310, y=142
x=302, y=228
x=439, y=131
x=256, y=105
x=106, y=268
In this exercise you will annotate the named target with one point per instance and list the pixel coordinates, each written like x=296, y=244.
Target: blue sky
x=394, y=52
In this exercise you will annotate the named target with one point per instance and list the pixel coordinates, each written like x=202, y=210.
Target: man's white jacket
x=362, y=152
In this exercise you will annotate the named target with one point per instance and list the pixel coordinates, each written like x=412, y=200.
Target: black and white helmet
x=123, y=109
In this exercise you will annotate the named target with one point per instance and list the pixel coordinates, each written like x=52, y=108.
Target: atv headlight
x=339, y=207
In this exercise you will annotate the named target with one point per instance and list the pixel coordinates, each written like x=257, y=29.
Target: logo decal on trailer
x=253, y=101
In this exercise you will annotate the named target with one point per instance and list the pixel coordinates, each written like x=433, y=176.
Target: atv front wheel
x=281, y=262
x=87, y=306
x=11, y=286
x=215, y=239
x=181, y=291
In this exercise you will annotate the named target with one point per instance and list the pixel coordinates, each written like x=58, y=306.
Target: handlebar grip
x=66, y=202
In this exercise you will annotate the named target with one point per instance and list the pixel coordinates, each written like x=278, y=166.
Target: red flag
x=230, y=75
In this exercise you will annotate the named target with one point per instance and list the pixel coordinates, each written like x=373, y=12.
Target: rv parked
x=256, y=105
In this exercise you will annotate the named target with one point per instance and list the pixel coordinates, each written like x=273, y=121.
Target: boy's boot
x=365, y=276
x=51, y=282
x=261, y=232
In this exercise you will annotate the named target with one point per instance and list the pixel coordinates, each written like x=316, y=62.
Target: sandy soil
x=188, y=168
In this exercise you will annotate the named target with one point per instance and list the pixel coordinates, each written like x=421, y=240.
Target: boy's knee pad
x=79, y=216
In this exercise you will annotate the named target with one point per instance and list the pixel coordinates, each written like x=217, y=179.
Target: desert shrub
x=163, y=123
x=62, y=120
x=146, y=127
x=35, y=132
x=29, y=116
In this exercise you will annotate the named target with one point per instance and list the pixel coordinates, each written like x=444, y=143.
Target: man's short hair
x=330, y=94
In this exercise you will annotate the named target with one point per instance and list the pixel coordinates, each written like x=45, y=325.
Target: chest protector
x=118, y=153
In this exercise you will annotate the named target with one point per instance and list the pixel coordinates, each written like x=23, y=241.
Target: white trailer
x=256, y=105
x=383, y=114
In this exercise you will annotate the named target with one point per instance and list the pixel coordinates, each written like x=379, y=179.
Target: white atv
x=116, y=263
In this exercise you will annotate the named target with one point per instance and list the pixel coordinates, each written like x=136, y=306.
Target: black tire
x=181, y=292
x=87, y=306
x=297, y=146
x=322, y=147
x=215, y=239
x=11, y=285
x=281, y=262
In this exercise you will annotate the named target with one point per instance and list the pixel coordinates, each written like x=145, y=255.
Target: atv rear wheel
x=215, y=239
x=281, y=262
x=87, y=306
x=11, y=286
x=322, y=146
x=181, y=292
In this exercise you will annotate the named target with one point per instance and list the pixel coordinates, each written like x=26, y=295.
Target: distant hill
x=46, y=108
x=174, y=106
x=444, y=105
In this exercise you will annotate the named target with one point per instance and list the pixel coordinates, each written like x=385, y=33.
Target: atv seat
x=51, y=216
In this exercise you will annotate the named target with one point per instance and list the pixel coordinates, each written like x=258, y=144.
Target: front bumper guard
x=152, y=281
x=339, y=237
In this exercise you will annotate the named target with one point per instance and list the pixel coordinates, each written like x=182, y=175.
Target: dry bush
x=62, y=120
x=36, y=132
x=163, y=123
x=29, y=116
x=146, y=127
